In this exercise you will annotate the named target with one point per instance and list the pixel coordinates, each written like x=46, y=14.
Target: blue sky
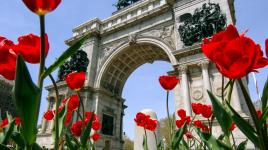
x=16, y=20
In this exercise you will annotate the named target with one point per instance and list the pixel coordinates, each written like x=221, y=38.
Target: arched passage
x=123, y=61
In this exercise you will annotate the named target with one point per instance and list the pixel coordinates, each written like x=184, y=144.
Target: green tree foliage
x=128, y=143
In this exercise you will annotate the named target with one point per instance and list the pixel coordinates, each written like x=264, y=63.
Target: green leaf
x=26, y=96
x=8, y=129
x=87, y=131
x=184, y=145
x=264, y=116
x=178, y=136
x=62, y=117
x=242, y=145
x=144, y=143
x=36, y=147
x=249, y=103
x=18, y=139
x=221, y=137
x=160, y=145
x=69, y=142
x=211, y=142
x=69, y=52
x=264, y=98
x=3, y=147
x=244, y=126
x=221, y=115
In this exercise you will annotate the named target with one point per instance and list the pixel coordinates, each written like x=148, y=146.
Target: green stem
x=83, y=109
x=57, y=112
x=146, y=144
x=79, y=115
x=169, y=121
x=253, y=114
x=155, y=139
x=42, y=52
x=41, y=67
x=222, y=89
x=210, y=126
x=234, y=144
x=230, y=91
x=227, y=140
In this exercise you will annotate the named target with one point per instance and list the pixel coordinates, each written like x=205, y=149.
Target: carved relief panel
x=196, y=84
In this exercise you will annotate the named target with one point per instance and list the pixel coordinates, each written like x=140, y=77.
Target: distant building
x=6, y=102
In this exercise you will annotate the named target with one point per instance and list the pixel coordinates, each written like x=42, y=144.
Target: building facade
x=143, y=32
x=6, y=102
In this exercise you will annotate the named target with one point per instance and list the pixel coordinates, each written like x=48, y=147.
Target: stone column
x=139, y=133
x=206, y=81
x=235, y=100
x=185, y=89
x=95, y=104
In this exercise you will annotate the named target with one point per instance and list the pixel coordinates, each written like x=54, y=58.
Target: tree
x=128, y=143
x=164, y=129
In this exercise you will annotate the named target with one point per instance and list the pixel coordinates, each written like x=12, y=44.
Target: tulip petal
x=266, y=47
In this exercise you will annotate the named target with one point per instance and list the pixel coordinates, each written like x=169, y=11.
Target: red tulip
x=68, y=118
x=168, y=82
x=181, y=113
x=259, y=113
x=29, y=47
x=179, y=123
x=229, y=51
x=198, y=124
x=141, y=119
x=95, y=137
x=76, y=128
x=73, y=102
x=17, y=120
x=233, y=126
x=96, y=125
x=266, y=47
x=197, y=108
x=49, y=115
x=188, y=135
x=4, y=123
x=205, y=129
x=88, y=116
x=151, y=124
x=207, y=111
x=76, y=80
x=7, y=59
x=41, y=7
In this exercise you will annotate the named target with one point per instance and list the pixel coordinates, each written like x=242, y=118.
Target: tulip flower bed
x=234, y=55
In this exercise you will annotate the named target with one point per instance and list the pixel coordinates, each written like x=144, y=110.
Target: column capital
x=204, y=64
x=183, y=69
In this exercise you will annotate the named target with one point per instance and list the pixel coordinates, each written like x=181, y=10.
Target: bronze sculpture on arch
x=124, y=3
x=204, y=22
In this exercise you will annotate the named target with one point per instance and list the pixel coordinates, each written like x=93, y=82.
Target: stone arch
x=148, y=50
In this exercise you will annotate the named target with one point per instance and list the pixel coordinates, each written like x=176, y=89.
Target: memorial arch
x=145, y=31
x=129, y=56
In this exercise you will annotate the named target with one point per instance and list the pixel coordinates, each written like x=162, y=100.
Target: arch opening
x=125, y=60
